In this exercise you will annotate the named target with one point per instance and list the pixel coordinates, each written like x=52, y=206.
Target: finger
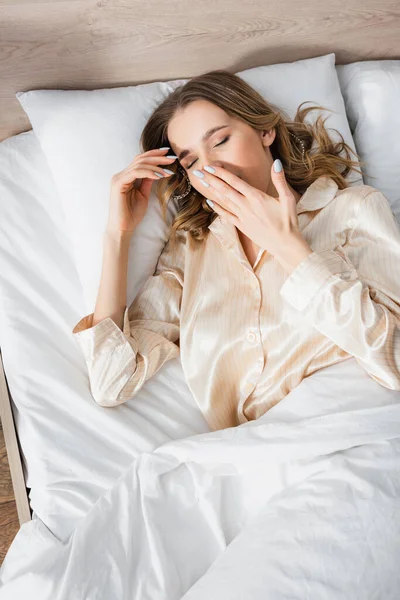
x=230, y=178
x=223, y=201
x=218, y=185
x=153, y=154
x=133, y=173
x=286, y=196
x=279, y=179
x=148, y=159
x=157, y=151
x=154, y=163
x=222, y=212
x=145, y=187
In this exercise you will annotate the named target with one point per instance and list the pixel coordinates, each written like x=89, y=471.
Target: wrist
x=123, y=237
x=294, y=255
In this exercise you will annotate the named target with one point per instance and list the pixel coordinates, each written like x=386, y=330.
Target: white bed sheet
x=302, y=503
x=101, y=479
x=73, y=449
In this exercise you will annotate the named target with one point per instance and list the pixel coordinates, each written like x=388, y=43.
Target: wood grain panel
x=9, y=523
x=87, y=44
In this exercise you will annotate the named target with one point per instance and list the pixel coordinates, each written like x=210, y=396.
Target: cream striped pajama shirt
x=247, y=335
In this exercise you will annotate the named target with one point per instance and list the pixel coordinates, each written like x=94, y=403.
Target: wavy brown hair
x=237, y=98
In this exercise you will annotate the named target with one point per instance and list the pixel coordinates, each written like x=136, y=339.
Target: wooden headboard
x=89, y=44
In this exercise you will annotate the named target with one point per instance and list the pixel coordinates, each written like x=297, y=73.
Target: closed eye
x=223, y=142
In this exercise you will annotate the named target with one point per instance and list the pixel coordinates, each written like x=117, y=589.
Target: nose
x=218, y=163
x=215, y=163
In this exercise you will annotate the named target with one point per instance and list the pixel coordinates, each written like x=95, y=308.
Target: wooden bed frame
x=111, y=43
x=13, y=449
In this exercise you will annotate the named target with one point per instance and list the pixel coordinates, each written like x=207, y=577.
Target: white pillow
x=371, y=92
x=87, y=136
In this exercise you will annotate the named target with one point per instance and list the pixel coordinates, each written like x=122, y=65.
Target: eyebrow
x=205, y=137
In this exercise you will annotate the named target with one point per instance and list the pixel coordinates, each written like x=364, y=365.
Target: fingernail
x=277, y=166
x=198, y=173
x=210, y=203
x=168, y=171
x=171, y=156
x=158, y=174
x=209, y=169
x=204, y=183
x=165, y=148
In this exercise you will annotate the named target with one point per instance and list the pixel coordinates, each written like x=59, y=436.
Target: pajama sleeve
x=352, y=294
x=119, y=361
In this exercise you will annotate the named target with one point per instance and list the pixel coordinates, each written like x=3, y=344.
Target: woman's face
x=237, y=147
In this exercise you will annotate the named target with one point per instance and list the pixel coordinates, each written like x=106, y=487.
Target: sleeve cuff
x=101, y=338
x=311, y=274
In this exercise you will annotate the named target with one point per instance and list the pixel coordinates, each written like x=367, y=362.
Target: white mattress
x=73, y=449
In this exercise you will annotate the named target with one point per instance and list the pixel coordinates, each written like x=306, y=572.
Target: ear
x=268, y=136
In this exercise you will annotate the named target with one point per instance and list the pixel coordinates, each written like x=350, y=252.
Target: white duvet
x=301, y=503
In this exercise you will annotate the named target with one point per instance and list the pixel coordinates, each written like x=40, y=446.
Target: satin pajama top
x=247, y=336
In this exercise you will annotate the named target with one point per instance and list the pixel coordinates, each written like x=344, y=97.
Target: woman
x=268, y=275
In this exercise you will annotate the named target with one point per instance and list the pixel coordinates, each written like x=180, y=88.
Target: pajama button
x=251, y=336
x=345, y=275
